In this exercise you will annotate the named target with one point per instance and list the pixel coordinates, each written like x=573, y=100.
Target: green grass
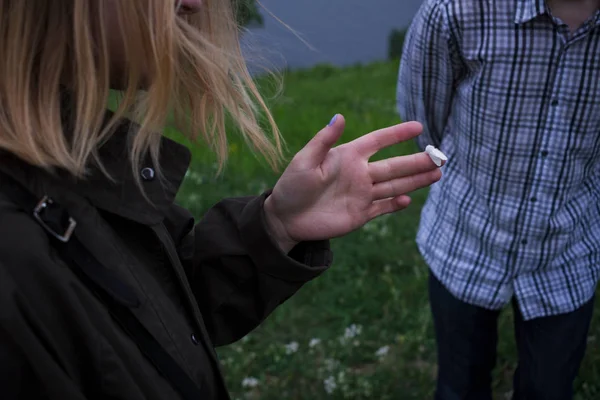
x=378, y=281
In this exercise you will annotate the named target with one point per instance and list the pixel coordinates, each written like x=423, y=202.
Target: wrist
x=276, y=228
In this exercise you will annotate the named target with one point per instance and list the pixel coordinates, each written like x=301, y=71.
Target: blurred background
x=363, y=329
x=341, y=32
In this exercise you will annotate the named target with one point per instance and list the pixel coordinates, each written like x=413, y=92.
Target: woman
x=107, y=289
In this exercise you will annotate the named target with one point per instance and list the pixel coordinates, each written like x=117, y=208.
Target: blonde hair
x=198, y=79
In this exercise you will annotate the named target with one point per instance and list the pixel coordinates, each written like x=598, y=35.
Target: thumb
x=315, y=151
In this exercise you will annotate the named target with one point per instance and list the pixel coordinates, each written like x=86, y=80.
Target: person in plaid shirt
x=510, y=91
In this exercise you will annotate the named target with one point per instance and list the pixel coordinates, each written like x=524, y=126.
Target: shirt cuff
x=304, y=262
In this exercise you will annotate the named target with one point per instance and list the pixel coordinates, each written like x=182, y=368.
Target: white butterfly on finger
x=436, y=155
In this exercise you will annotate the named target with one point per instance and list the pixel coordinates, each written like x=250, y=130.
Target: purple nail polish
x=333, y=120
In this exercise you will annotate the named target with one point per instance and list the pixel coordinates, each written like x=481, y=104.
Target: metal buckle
x=63, y=237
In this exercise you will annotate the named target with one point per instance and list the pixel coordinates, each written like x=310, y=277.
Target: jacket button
x=147, y=174
x=195, y=339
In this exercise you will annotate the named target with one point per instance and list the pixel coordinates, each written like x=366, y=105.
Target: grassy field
x=363, y=330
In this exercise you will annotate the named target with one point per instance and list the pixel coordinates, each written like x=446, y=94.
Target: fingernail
x=333, y=120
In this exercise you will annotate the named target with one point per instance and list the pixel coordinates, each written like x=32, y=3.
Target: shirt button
x=195, y=339
x=524, y=242
x=554, y=102
x=544, y=154
x=533, y=199
x=147, y=174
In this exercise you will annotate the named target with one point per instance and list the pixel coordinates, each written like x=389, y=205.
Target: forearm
x=242, y=271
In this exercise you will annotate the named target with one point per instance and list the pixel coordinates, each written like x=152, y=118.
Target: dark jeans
x=550, y=349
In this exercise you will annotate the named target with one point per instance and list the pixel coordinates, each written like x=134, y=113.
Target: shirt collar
x=120, y=194
x=529, y=9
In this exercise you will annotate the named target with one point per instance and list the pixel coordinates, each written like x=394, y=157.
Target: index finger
x=371, y=143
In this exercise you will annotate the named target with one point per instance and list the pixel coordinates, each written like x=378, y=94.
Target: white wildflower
x=291, y=348
x=199, y=179
x=193, y=198
x=382, y=351
x=366, y=387
x=370, y=226
x=384, y=231
x=250, y=382
x=352, y=331
x=341, y=377
x=262, y=187
x=330, y=364
x=330, y=385
x=225, y=361
x=314, y=342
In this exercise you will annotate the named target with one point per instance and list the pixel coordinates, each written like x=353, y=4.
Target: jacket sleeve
x=239, y=275
x=17, y=380
x=28, y=368
x=429, y=71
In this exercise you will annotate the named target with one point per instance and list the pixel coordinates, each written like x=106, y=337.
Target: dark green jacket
x=200, y=285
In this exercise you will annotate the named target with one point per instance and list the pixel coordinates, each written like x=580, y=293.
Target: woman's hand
x=327, y=191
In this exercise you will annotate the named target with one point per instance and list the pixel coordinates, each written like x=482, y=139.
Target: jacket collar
x=119, y=195
x=529, y=9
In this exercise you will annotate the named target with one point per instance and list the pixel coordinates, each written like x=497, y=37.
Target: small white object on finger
x=436, y=155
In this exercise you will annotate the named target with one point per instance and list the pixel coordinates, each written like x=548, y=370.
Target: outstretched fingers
x=371, y=143
x=388, y=206
x=399, y=167
x=315, y=151
x=408, y=184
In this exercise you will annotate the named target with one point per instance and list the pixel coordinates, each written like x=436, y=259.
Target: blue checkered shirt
x=513, y=98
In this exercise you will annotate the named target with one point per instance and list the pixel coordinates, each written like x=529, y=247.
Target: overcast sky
x=342, y=31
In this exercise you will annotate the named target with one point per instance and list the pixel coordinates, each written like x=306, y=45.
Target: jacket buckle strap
x=54, y=219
